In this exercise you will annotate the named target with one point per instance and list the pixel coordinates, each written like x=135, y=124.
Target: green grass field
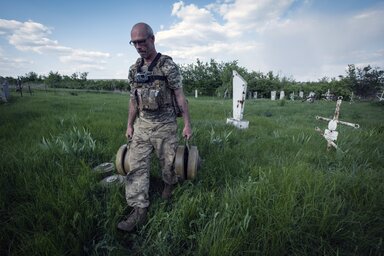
x=272, y=189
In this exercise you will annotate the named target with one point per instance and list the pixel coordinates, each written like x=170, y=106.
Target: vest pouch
x=149, y=99
x=153, y=101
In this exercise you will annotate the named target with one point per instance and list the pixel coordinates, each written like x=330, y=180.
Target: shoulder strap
x=154, y=62
x=140, y=63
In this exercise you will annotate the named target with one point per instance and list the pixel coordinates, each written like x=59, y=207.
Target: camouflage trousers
x=149, y=138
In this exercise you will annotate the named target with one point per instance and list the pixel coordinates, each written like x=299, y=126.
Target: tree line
x=215, y=79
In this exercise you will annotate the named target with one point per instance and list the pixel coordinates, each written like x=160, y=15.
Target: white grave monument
x=292, y=96
x=196, y=94
x=239, y=95
x=301, y=94
x=351, y=100
x=328, y=95
x=311, y=97
x=282, y=95
x=255, y=95
x=5, y=91
x=273, y=95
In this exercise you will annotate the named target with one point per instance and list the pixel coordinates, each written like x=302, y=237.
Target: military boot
x=134, y=220
x=167, y=192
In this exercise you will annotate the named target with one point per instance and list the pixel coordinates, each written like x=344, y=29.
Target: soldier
x=156, y=99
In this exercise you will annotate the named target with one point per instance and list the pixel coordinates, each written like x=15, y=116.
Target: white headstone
x=196, y=94
x=301, y=94
x=239, y=95
x=328, y=95
x=311, y=97
x=282, y=95
x=5, y=94
x=351, y=98
x=273, y=95
x=255, y=95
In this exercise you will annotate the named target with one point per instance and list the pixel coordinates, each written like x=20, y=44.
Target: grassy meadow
x=272, y=189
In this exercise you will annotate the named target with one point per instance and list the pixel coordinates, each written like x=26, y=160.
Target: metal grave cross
x=331, y=134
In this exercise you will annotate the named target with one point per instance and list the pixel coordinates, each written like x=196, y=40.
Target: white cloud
x=321, y=45
x=27, y=36
x=244, y=15
x=81, y=56
x=12, y=63
x=31, y=36
x=232, y=35
x=288, y=37
x=269, y=35
x=197, y=26
x=8, y=63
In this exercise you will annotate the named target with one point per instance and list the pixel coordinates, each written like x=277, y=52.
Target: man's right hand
x=129, y=132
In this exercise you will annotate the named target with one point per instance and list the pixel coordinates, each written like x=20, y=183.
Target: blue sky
x=300, y=39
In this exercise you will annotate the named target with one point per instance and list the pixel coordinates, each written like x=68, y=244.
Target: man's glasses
x=138, y=42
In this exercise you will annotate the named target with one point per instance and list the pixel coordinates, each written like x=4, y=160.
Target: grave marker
x=328, y=95
x=239, y=95
x=5, y=94
x=311, y=97
x=331, y=134
x=292, y=96
x=273, y=95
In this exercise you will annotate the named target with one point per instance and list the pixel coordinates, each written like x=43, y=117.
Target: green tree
x=53, y=80
x=30, y=77
x=366, y=81
x=83, y=76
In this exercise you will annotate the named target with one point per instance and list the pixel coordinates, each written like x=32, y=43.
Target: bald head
x=143, y=40
x=142, y=28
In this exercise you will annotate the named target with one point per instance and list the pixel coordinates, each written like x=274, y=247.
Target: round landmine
x=104, y=168
x=122, y=165
x=181, y=159
x=113, y=180
x=193, y=163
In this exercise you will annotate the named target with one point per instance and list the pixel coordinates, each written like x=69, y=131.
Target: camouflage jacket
x=152, y=88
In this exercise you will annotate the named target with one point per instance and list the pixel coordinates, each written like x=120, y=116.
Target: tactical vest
x=150, y=86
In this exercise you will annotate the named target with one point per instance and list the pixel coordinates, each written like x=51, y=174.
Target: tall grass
x=269, y=190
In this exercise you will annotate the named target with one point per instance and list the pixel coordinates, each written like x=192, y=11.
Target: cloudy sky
x=301, y=39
